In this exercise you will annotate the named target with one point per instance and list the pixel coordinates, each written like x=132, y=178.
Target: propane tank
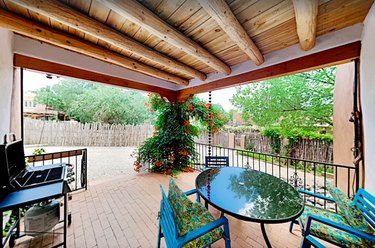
x=42, y=217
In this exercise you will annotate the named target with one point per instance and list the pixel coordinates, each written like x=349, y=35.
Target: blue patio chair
x=184, y=223
x=352, y=226
x=216, y=161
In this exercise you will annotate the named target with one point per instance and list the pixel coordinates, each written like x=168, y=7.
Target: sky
x=36, y=80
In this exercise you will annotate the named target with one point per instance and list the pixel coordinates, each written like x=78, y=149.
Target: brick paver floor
x=122, y=212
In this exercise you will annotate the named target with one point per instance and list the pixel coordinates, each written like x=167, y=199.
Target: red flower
x=168, y=172
x=186, y=123
x=184, y=153
x=158, y=163
x=210, y=124
x=187, y=131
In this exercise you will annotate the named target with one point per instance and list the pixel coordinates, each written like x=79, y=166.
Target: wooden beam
x=74, y=19
x=37, y=31
x=330, y=57
x=220, y=11
x=306, y=12
x=69, y=71
x=137, y=13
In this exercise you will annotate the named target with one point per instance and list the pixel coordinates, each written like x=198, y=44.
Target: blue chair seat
x=330, y=233
x=188, y=224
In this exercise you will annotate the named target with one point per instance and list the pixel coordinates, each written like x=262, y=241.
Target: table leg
x=265, y=235
x=65, y=218
x=1, y=228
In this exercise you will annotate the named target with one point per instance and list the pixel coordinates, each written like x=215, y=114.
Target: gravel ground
x=102, y=162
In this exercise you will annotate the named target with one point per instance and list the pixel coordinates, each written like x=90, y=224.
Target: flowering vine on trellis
x=171, y=149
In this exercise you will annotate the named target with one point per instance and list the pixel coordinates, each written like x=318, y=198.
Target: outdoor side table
x=19, y=198
x=250, y=195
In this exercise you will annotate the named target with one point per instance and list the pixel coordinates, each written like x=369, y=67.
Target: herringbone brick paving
x=122, y=212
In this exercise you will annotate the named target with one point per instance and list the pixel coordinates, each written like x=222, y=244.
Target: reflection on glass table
x=250, y=195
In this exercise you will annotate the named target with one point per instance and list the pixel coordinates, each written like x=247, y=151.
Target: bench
x=352, y=226
x=184, y=223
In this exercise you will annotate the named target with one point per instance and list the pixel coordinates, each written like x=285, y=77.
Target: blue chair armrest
x=190, y=192
x=193, y=191
x=316, y=195
x=328, y=222
x=203, y=230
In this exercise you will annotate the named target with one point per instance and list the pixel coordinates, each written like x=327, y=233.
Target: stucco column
x=343, y=129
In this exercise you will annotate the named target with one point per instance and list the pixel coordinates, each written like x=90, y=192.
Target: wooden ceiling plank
x=140, y=15
x=16, y=9
x=2, y=4
x=43, y=33
x=59, y=11
x=306, y=13
x=99, y=12
x=39, y=18
x=69, y=71
x=333, y=56
x=223, y=15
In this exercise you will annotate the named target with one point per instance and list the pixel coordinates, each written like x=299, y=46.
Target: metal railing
x=304, y=174
x=76, y=158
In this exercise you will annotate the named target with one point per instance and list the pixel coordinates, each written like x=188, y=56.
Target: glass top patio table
x=250, y=195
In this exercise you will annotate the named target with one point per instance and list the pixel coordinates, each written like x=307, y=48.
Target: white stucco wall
x=367, y=71
x=6, y=79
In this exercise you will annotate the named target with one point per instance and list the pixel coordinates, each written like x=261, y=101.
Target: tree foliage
x=301, y=100
x=88, y=102
x=172, y=149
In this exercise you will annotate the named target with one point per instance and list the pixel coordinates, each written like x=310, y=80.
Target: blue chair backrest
x=366, y=203
x=217, y=161
x=168, y=221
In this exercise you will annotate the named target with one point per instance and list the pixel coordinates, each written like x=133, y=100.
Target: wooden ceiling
x=178, y=40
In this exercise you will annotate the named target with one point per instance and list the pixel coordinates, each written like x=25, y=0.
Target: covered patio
x=177, y=49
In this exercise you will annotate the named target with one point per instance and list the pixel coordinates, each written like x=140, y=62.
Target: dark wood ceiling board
x=2, y=4
x=16, y=9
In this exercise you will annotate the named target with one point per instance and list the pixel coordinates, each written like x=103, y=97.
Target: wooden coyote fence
x=89, y=134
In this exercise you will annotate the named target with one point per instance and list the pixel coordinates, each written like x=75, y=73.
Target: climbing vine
x=171, y=149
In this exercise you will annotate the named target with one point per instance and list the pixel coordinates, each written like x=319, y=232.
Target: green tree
x=62, y=95
x=301, y=100
x=89, y=102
